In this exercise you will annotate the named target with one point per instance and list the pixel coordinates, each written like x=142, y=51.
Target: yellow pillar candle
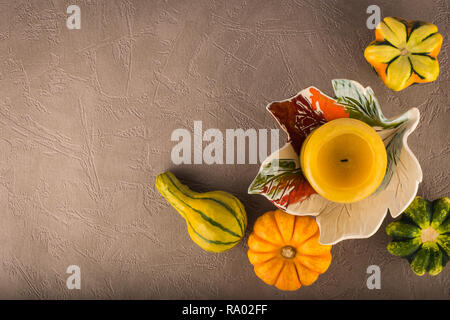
x=344, y=160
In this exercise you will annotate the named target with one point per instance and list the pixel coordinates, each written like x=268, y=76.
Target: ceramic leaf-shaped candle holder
x=280, y=178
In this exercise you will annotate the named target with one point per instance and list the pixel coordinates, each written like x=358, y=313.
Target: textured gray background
x=85, y=123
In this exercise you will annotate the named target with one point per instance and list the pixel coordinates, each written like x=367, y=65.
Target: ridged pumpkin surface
x=285, y=250
x=216, y=220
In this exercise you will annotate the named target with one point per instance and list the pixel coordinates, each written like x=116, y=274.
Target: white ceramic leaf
x=280, y=178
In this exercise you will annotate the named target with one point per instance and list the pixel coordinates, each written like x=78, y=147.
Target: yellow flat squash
x=404, y=52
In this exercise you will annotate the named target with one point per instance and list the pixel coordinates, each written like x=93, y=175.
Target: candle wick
x=344, y=160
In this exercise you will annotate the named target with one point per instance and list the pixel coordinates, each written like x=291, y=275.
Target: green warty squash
x=422, y=235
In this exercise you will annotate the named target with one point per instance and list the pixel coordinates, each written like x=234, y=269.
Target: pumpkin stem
x=288, y=252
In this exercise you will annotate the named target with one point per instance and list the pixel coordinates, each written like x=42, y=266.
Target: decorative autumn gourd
x=216, y=220
x=404, y=52
x=285, y=250
x=422, y=235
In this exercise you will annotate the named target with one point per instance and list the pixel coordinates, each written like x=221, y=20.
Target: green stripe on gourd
x=195, y=233
x=422, y=235
x=201, y=214
x=218, y=197
x=216, y=220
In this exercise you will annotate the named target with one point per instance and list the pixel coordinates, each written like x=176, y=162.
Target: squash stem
x=288, y=252
x=429, y=235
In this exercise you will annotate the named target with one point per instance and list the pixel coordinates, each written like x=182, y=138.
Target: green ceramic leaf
x=393, y=149
x=281, y=182
x=362, y=104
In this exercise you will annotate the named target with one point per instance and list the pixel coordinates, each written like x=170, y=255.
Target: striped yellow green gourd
x=422, y=235
x=216, y=220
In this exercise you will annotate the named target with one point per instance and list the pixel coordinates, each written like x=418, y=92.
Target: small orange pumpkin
x=285, y=251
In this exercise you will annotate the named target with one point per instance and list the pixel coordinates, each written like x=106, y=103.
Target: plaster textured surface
x=86, y=118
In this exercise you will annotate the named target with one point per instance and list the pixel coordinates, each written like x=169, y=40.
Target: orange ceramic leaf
x=329, y=107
